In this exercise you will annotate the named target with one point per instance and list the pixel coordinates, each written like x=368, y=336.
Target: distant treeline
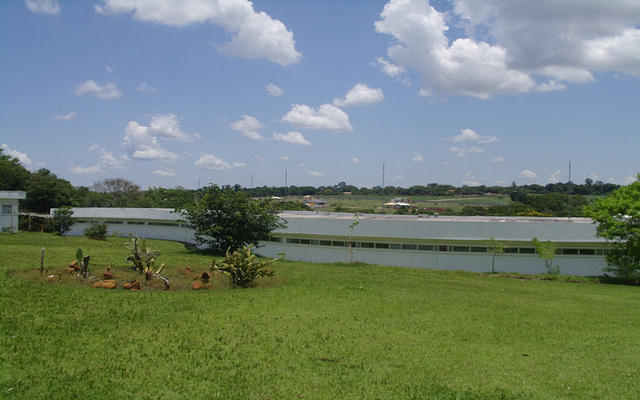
x=45, y=191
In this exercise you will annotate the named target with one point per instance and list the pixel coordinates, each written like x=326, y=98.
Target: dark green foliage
x=618, y=218
x=293, y=206
x=243, y=267
x=547, y=252
x=62, y=220
x=46, y=191
x=97, y=230
x=228, y=219
x=13, y=176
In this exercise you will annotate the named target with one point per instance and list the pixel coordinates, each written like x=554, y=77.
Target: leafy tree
x=123, y=191
x=13, y=176
x=618, y=218
x=97, y=230
x=496, y=248
x=547, y=252
x=62, y=220
x=46, y=191
x=225, y=219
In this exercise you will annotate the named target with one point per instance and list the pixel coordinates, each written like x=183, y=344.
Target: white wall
x=9, y=221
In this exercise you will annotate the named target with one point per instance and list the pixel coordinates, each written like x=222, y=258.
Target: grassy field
x=358, y=202
x=317, y=331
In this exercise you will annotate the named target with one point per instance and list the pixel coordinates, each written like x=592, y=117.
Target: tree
x=547, y=252
x=225, y=219
x=618, y=218
x=46, y=191
x=13, y=176
x=496, y=248
x=123, y=191
x=62, y=220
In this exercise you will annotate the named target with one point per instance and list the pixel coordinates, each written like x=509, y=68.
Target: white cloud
x=527, y=174
x=107, y=91
x=424, y=92
x=108, y=68
x=142, y=145
x=468, y=135
x=356, y=161
x=470, y=175
x=106, y=163
x=164, y=172
x=48, y=7
x=628, y=180
x=167, y=126
x=67, y=117
x=253, y=34
x=388, y=68
x=470, y=183
x=553, y=178
x=248, y=126
x=146, y=88
x=315, y=173
x=22, y=157
x=239, y=164
x=261, y=159
x=462, y=151
x=292, y=137
x=506, y=45
x=594, y=176
x=417, y=157
x=302, y=165
x=211, y=162
x=274, y=90
x=498, y=160
x=360, y=95
x=447, y=163
x=398, y=177
x=285, y=157
x=326, y=117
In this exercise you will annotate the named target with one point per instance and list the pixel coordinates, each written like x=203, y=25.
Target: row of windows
x=429, y=247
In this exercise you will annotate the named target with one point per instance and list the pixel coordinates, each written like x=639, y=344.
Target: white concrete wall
x=9, y=221
x=475, y=262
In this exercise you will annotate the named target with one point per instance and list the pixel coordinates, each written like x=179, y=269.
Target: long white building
x=451, y=243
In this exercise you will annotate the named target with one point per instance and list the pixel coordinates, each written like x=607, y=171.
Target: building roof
x=161, y=214
x=13, y=194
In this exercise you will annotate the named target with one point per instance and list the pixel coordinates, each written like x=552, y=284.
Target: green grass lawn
x=326, y=331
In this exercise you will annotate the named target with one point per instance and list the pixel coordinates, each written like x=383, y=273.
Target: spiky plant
x=243, y=267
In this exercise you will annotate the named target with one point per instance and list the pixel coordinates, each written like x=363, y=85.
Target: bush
x=62, y=220
x=243, y=267
x=97, y=230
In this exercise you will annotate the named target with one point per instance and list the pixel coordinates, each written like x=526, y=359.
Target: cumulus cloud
x=315, y=173
x=22, y=157
x=417, y=157
x=142, y=145
x=107, y=91
x=167, y=126
x=360, y=95
x=388, y=68
x=261, y=159
x=274, y=90
x=498, y=160
x=211, y=162
x=292, y=137
x=253, y=34
x=239, y=164
x=356, y=161
x=468, y=135
x=164, y=172
x=326, y=117
x=48, y=7
x=463, y=152
x=146, y=88
x=527, y=174
x=506, y=45
x=66, y=117
x=108, y=68
x=628, y=180
x=285, y=157
x=248, y=126
x=107, y=162
x=553, y=178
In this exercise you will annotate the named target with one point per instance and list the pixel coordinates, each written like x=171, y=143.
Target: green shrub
x=62, y=220
x=243, y=267
x=97, y=230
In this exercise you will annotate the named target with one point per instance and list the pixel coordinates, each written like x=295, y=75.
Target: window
x=395, y=246
x=275, y=239
x=382, y=245
x=305, y=241
x=325, y=243
x=478, y=249
x=461, y=248
x=163, y=223
x=527, y=250
x=113, y=222
x=136, y=223
x=599, y=252
x=569, y=252
x=293, y=241
x=367, y=245
x=6, y=209
x=339, y=244
x=443, y=247
x=81, y=221
x=425, y=247
x=315, y=242
x=511, y=250
x=409, y=247
x=587, y=252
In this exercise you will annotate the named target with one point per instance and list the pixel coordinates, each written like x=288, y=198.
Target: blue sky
x=459, y=92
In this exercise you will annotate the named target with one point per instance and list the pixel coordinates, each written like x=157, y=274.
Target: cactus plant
x=144, y=259
x=84, y=263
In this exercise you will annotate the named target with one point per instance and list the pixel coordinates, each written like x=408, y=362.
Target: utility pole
x=251, y=187
x=285, y=183
x=569, y=191
x=382, y=175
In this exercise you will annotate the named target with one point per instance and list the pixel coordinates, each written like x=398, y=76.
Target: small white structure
x=9, y=210
x=420, y=241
